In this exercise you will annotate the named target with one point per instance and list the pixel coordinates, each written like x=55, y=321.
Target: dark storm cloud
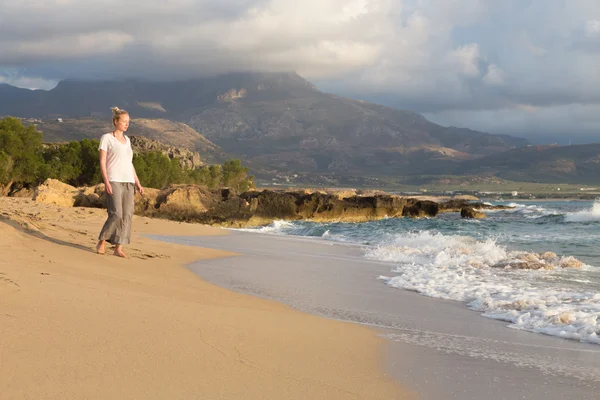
x=512, y=66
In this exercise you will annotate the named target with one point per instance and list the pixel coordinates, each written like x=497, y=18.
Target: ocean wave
x=500, y=284
x=296, y=228
x=591, y=215
x=276, y=227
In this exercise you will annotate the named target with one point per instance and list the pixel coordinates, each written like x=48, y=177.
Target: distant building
x=515, y=193
x=59, y=120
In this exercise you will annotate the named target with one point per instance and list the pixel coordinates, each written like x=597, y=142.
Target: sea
x=535, y=266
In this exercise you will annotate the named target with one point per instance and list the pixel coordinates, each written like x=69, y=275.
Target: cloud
x=466, y=58
x=494, y=75
x=592, y=28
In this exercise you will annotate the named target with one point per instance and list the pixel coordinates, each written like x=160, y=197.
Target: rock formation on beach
x=469, y=212
x=256, y=208
x=535, y=261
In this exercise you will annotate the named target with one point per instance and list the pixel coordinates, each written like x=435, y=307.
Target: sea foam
x=489, y=279
x=590, y=215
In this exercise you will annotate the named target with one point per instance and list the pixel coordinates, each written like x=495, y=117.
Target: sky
x=529, y=68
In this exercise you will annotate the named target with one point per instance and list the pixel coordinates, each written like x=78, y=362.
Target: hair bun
x=115, y=109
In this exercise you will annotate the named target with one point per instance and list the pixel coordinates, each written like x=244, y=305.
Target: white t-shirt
x=119, y=159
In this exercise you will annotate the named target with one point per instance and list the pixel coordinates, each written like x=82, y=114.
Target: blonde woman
x=120, y=180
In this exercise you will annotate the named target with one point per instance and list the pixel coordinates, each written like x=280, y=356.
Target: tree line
x=25, y=162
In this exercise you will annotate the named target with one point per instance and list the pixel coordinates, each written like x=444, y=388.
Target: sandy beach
x=75, y=324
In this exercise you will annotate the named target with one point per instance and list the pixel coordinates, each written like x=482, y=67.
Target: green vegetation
x=24, y=161
x=20, y=153
x=156, y=170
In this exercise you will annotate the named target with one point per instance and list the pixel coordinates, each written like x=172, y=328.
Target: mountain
x=547, y=164
x=274, y=121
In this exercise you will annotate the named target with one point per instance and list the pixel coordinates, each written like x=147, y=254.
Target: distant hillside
x=278, y=121
x=577, y=163
x=167, y=132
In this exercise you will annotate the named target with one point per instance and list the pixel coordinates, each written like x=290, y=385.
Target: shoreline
x=432, y=343
x=81, y=325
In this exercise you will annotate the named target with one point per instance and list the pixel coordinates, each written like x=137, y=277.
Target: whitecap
x=590, y=215
x=500, y=284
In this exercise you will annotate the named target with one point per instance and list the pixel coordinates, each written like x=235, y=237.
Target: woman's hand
x=108, y=188
x=140, y=188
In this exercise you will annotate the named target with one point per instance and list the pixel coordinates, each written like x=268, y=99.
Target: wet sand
x=441, y=348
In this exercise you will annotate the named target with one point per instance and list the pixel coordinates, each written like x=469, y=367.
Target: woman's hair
x=117, y=112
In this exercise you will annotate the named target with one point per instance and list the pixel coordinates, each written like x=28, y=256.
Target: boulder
x=91, y=196
x=88, y=200
x=53, y=191
x=183, y=202
x=570, y=262
x=23, y=193
x=548, y=256
x=421, y=208
x=469, y=212
x=145, y=205
x=523, y=264
x=273, y=205
x=547, y=260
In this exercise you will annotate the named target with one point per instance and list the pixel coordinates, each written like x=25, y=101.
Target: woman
x=120, y=180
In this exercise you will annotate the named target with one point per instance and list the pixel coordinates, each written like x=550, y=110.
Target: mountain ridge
x=280, y=122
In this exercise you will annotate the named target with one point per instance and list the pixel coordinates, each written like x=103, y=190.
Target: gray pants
x=117, y=228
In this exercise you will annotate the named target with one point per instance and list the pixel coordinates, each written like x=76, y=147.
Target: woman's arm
x=138, y=185
x=107, y=186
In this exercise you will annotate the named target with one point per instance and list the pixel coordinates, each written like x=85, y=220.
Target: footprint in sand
x=8, y=283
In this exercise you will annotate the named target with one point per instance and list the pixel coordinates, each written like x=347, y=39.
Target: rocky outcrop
x=469, y=212
x=456, y=205
x=53, y=191
x=252, y=208
x=232, y=95
x=261, y=208
x=187, y=158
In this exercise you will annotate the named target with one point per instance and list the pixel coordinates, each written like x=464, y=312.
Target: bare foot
x=119, y=252
x=100, y=247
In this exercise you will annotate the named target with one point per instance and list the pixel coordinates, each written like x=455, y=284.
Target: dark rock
x=22, y=192
x=88, y=200
x=421, y=209
x=454, y=205
x=469, y=212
